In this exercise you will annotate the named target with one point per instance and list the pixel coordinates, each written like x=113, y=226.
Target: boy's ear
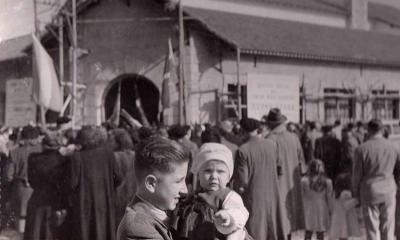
x=150, y=182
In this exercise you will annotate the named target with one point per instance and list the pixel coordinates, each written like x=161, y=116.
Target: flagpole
x=74, y=63
x=34, y=71
x=181, y=70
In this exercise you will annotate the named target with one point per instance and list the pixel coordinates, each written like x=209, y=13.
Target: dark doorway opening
x=146, y=91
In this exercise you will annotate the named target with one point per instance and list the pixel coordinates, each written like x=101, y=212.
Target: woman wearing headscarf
x=93, y=180
x=46, y=171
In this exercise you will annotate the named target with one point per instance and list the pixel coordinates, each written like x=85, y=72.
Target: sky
x=16, y=16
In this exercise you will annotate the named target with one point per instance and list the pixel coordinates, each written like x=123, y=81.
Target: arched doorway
x=146, y=91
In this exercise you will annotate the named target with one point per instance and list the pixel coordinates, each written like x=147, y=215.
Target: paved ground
x=9, y=234
x=12, y=235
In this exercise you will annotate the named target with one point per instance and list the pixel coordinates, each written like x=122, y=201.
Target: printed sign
x=266, y=91
x=20, y=109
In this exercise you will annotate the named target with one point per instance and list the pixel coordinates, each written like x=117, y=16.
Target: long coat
x=45, y=171
x=127, y=189
x=256, y=180
x=93, y=181
x=17, y=175
x=291, y=164
x=328, y=149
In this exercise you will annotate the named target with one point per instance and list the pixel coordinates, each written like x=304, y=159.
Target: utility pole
x=61, y=52
x=74, y=63
x=182, y=106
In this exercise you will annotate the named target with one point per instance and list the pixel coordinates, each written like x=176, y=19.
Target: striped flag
x=46, y=89
x=169, y=75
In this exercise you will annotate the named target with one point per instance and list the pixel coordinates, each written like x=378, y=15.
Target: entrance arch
x=147, y=92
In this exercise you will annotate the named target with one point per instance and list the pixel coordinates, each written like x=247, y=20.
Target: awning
x=15, y=47
x=272, y=37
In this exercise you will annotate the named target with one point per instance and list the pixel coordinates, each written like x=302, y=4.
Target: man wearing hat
x=290, y=164
x=374, y=184
x=256, y=180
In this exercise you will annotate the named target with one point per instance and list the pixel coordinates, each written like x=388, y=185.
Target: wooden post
x=61, y=53
x=181, y=69
x=239, y=94
x=74, y=63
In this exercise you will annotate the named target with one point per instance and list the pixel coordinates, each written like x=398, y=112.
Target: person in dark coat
x=16, y=172
x=256, y=180
x=125, y=157
x=46, y=176
x=93, y=179
x=291, y=165
x=328, y=149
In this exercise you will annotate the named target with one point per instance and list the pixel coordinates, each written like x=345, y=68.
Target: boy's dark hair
x=157, y=154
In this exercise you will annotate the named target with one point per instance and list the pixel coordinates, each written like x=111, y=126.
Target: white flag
x=46, y=89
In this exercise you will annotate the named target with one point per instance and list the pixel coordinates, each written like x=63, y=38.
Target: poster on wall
x=266, y=91
x=20, y=109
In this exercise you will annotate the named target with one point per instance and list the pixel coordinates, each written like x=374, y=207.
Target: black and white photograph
x=199, y=119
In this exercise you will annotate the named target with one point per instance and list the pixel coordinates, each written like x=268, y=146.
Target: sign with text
x=20, y=109
x=266, y=91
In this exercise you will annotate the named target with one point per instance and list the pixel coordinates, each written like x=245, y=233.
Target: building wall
x=12, y=69
x=216, y=72
x=132, y=40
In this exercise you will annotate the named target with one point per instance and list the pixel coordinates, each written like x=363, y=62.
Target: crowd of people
x=249, y=179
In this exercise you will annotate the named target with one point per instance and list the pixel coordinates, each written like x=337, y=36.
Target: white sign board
x=20, y=109
x=266, y=91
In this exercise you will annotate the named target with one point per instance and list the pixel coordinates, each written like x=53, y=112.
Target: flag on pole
x=46, y=89
x=169, y=75
x=115, y=117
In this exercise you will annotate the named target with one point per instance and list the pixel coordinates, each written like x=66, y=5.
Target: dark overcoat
x=93, y=180
x=127, y=189
x=46, y=176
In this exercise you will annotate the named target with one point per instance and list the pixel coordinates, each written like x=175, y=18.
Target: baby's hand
x=222, y=218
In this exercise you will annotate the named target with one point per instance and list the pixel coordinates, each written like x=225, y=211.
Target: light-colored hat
x=214, y=151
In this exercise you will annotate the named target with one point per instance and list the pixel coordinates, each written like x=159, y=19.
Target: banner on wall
x=20, y=109
x=266, y=91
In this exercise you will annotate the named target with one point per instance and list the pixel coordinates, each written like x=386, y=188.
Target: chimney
x=358, y=18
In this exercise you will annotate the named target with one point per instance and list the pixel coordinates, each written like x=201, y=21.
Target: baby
x=214, y=167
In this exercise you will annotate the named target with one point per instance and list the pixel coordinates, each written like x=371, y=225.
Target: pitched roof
x=15, y=47
x=265, y=36
x=313, y=5
x=386, y=13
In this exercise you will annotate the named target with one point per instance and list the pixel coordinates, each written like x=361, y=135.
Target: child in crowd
x=215, y=212
x=345, y=222
x=160, y=170
x=317, y=198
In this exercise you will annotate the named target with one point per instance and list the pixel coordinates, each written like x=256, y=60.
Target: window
x=385, y=104
x=339, y=104
x=231, y=104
